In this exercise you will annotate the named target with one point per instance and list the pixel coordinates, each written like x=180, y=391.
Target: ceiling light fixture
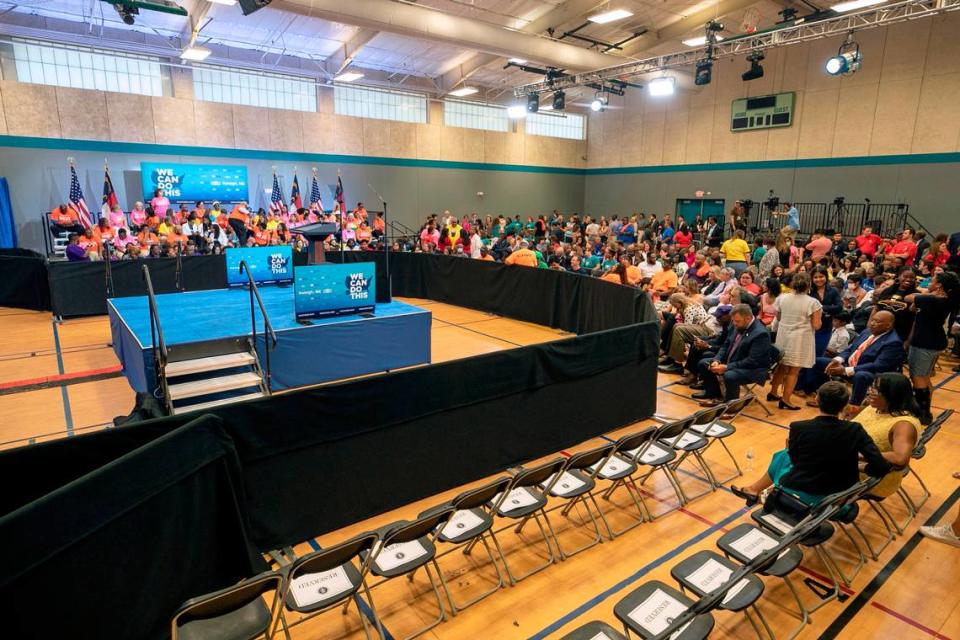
x=847, y=60
x=464, y=91
x=853, y=5
x=533, y=102
x=704, y=72
x=196, y=54
x=610, y=16
x=699, y=41
x=348, y=76
x=600, y=101
x=756, y=69
x=229, y=3
x=517, y=61
x=664, y=86
x=516, y=111
x=559, y=101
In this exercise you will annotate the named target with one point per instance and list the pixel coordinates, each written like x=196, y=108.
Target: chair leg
x=443, y=612
x=875, y=552
x=803, y=615
x=834, y=594
x=733, y=459
x=546, y=540
x=918, y=504
x=638, y=502
x=861, y=560
x=457, y=608
x=899, y=526
x=582, y=499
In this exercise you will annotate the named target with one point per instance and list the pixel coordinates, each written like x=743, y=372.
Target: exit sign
x=762, y=112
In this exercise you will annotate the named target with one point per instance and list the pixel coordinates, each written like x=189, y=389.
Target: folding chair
x=619, y=468
x=678, y=437
x=472, y=521
x=235, y=613
x=756, y=389
x=745, y=542
x=594, y=630
x=526, y=499
x=706, y=571
x=322, y=580
x=918, y=452
x=648, y=611
x=575, y=483
x=404, y=548
x=717, y=429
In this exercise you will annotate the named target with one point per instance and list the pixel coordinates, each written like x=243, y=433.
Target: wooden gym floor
x=909, y=593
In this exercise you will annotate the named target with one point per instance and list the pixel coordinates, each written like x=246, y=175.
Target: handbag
x=782, y=502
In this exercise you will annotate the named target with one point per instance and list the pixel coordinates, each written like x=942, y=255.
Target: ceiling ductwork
x=420, y=22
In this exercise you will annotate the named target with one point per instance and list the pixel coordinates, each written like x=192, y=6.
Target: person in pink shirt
x=430, y=234
x=819, y=246
x=138, y=215
x=118, y=219
x=123, y=239
x=160, y=203
x=868, y=242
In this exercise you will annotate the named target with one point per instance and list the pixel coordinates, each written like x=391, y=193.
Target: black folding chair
x=672, y=444
x=594, y=630
x=756, y=389
x=721, y=427
x=619, y=468
x=918, y=452
x=234, y=613
x=650, y=609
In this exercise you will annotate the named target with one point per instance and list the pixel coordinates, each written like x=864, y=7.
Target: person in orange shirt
x=103, y=232
x=616, y=275
x=379, y=226
x=664, y=282
x=147, y=237
x=364, y=232
x=634, y=276
x=177, y=237
x=522, y=256
x=485, y=255
x=260, y=237
x=64, y=219
x=90, y=242
x=239, y=220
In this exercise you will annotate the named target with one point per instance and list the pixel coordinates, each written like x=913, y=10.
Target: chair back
x=636, y=441
x=539, y=474
x=480, y=496
x=927, y=434
x=706, y=417
x=739, y=405
x=333, y=557
x=422, y=526
x=228, y=600
x=589, y=458
x=674, y=429
x=776, y=355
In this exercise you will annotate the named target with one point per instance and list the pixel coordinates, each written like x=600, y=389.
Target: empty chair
x=235, y=613
x=404, y=548
x=706, y=571
x=650, y=609
x=575, y=483
x=721, y=428
x=619, y=469
x=675, y=438
x=322, y=580
x=526, y=498
x=472, y=521
x=745, y=542
x=776, y=355
x=918, y=452
x=594, y=630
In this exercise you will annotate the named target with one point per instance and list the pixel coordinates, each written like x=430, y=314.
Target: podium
x=315, y=233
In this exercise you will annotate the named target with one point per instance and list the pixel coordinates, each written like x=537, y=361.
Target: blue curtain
x=8, y=229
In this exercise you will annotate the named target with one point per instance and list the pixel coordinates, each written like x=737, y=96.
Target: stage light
x=610, y=16
x=662, y=86
x=756, y=69
x=348, y=76
x=533, y=102
x=853, y=5
x=516, y=111
x=464, y=91
x=844, y=63
x=704, y=73
x=195, y=54
x=699, y=41
x=559, y=101
x=517, y=60
x=600, y=101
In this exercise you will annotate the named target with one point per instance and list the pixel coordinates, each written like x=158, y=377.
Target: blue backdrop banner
x=334, y=289
x=8, y=229
x=268, y=265
x=192, y=182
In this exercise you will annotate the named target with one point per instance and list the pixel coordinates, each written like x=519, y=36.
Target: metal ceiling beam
x=195, y=21
x=739, y=45
x=342, y=57
x=684, y=26
x=451, y=78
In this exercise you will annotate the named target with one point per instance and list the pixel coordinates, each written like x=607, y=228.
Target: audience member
x=742, y=359
x=799, y=316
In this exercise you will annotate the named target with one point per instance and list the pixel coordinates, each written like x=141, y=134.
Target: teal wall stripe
x=103, y=146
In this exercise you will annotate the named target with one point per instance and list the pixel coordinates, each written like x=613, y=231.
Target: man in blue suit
x=743, y=358
x=875, y=351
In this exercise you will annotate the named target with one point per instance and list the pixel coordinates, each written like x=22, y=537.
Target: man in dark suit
x=714, y=233
x=743, y=358
x=877, y=350
x=706, y=349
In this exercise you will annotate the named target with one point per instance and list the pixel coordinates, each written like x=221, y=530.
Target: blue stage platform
x=397, y=335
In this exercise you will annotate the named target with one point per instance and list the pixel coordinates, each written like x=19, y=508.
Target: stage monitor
x=268, y=265
x=331, y=289
x=193, y=182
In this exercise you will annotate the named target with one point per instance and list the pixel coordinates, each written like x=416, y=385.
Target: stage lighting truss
x=847, y=60
x=779, y=36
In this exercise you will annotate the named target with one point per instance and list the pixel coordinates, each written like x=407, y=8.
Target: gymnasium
x=480, y=319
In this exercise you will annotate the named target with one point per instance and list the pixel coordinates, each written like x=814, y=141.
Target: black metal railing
x=157, y=342
x=108, y=268
x=847, y=218
x=269, y=335
x=178, y=273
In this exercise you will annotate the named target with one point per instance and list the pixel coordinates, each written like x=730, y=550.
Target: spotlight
x=704, y=72
x=662, y=86
x=847, y=60
x=516, y=111
x=756, y=70
x=533, y=102
x=599, y=102
x=559, y=101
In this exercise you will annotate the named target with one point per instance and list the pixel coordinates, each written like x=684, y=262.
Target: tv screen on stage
x=193, y=182
x=334, y=289
x=268, y=265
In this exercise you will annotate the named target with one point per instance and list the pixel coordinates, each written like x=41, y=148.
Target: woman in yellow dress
x=890, y=419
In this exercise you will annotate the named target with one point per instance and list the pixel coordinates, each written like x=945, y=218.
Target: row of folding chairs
x=709, y=582
x=348, y=572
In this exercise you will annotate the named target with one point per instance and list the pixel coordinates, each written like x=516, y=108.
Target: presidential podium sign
x=322, y=291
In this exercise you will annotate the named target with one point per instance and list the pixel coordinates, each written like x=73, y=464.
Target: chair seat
x=657, y=455
x=328, y=585
x=715, y=429
x=686, y=441
x=615, y=468
x=398, y=559
x=595, y=630
x=245, y=623
x=648, y=610
x=846, y=515
x=774, y=522
x=571, y=484
x=520, y=503
x=465, y=525
x=706, y=571
x=745, y=542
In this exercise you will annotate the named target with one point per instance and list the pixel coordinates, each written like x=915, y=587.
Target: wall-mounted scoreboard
x=762, y=112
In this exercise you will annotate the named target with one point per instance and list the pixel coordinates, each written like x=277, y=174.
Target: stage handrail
x=156, y=334
x=268, y=332
x=178, y=274
x=108, y=268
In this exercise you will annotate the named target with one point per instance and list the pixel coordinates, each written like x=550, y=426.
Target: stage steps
x=204, y=375
x=210, y=363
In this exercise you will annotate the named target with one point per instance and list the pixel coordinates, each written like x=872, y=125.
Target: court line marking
x=67, y=415
x=913, y=623
x=866, y=595
x=42, y=382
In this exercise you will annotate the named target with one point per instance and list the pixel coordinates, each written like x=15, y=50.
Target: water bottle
x=750, y=459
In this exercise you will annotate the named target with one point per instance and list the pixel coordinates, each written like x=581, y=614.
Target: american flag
x=296, y=202
x=276, y=198
x=109, y=195
x=315, y=201
x=76, y=200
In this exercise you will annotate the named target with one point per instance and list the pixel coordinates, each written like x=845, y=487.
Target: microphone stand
x=386, y=244
x=179, y=270
x=108, y=268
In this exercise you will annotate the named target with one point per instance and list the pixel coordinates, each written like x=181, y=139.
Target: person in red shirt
x=64, y=219
x=819, y=246
x=868, y=242
x=905, y=249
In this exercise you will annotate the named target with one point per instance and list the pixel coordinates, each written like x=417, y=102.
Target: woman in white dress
x=798, y=318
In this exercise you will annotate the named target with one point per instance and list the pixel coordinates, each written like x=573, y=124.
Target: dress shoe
x=672, y=368
x=700, y=396
x=687, y=380
x=750, y=498
x=788, y=407
x=665, y=360
x=696, y=386
x=772, y=397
